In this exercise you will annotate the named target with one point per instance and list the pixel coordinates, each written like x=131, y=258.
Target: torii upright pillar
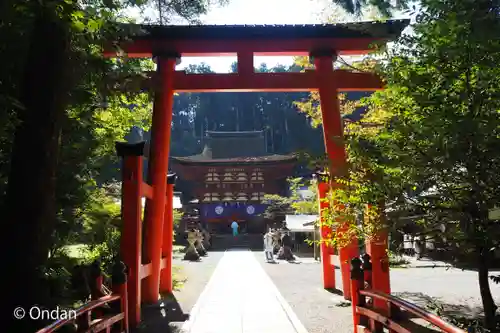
x=334, y=143
x=131, y=209
x=160, y=149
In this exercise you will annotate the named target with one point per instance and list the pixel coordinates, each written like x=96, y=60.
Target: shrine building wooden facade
x=230, y=177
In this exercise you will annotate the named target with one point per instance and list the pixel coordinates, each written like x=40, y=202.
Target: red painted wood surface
x=333, y=131
x=355, y=287
x=377, y=247
x=131, y=237
x=325, y=231
x=263, y=82
x=160, y=149
x=334, y=146
x=197, y=175
x=259, y=47
x=122, y=290
x=274, y=82
x=345, y=256
x=146, y=190
x=167, y=247
x=196, y=171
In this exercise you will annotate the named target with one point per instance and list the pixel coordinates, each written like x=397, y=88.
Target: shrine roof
x=236, y=147
x=389, y=29
x=202, y=159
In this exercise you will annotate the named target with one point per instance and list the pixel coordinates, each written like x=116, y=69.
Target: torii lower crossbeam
x=342, y=80
x=259, y=82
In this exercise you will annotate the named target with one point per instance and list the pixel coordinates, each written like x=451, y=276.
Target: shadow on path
x=335, y=291
x=461, y=315
x=435, y=304
x=157, y=317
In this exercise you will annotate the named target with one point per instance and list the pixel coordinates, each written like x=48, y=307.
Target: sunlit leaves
x=435, y=126
x=385, y=7
x=440, y=110
x=294, y=203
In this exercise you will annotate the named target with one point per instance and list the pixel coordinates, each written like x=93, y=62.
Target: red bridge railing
x=104, y=313
x=374, y=310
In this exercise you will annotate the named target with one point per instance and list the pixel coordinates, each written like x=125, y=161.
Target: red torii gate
x=167, y=44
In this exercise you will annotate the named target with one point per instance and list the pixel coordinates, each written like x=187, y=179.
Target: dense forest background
x=286, y=129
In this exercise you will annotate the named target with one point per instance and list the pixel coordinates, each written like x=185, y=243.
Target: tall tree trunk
x=254, y=119
x=273, y=150
x=237, y=119
x=287, y=133
x=266, y=140
x=202, y=137
x=30, y=210
x=489, y=306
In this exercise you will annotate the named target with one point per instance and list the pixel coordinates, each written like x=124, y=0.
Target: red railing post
x=357, y=284
x=131, y=236
x=168, y=237
x=119, y=285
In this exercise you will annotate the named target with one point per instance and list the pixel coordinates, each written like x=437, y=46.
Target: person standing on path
x=235, y=227
x=407, y=245
x=419, y=244
x=268, y=246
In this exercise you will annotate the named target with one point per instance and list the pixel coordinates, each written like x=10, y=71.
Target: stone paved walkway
x=241, y=298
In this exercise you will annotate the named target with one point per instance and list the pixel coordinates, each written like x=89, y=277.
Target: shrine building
x=230, y=177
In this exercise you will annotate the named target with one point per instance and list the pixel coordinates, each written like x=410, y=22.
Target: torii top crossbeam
x=261, y=40
x=248, y=41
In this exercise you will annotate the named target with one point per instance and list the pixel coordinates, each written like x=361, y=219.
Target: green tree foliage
x=429, y=142
x=385, y=7
x=294, y=203
x=442, y=135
